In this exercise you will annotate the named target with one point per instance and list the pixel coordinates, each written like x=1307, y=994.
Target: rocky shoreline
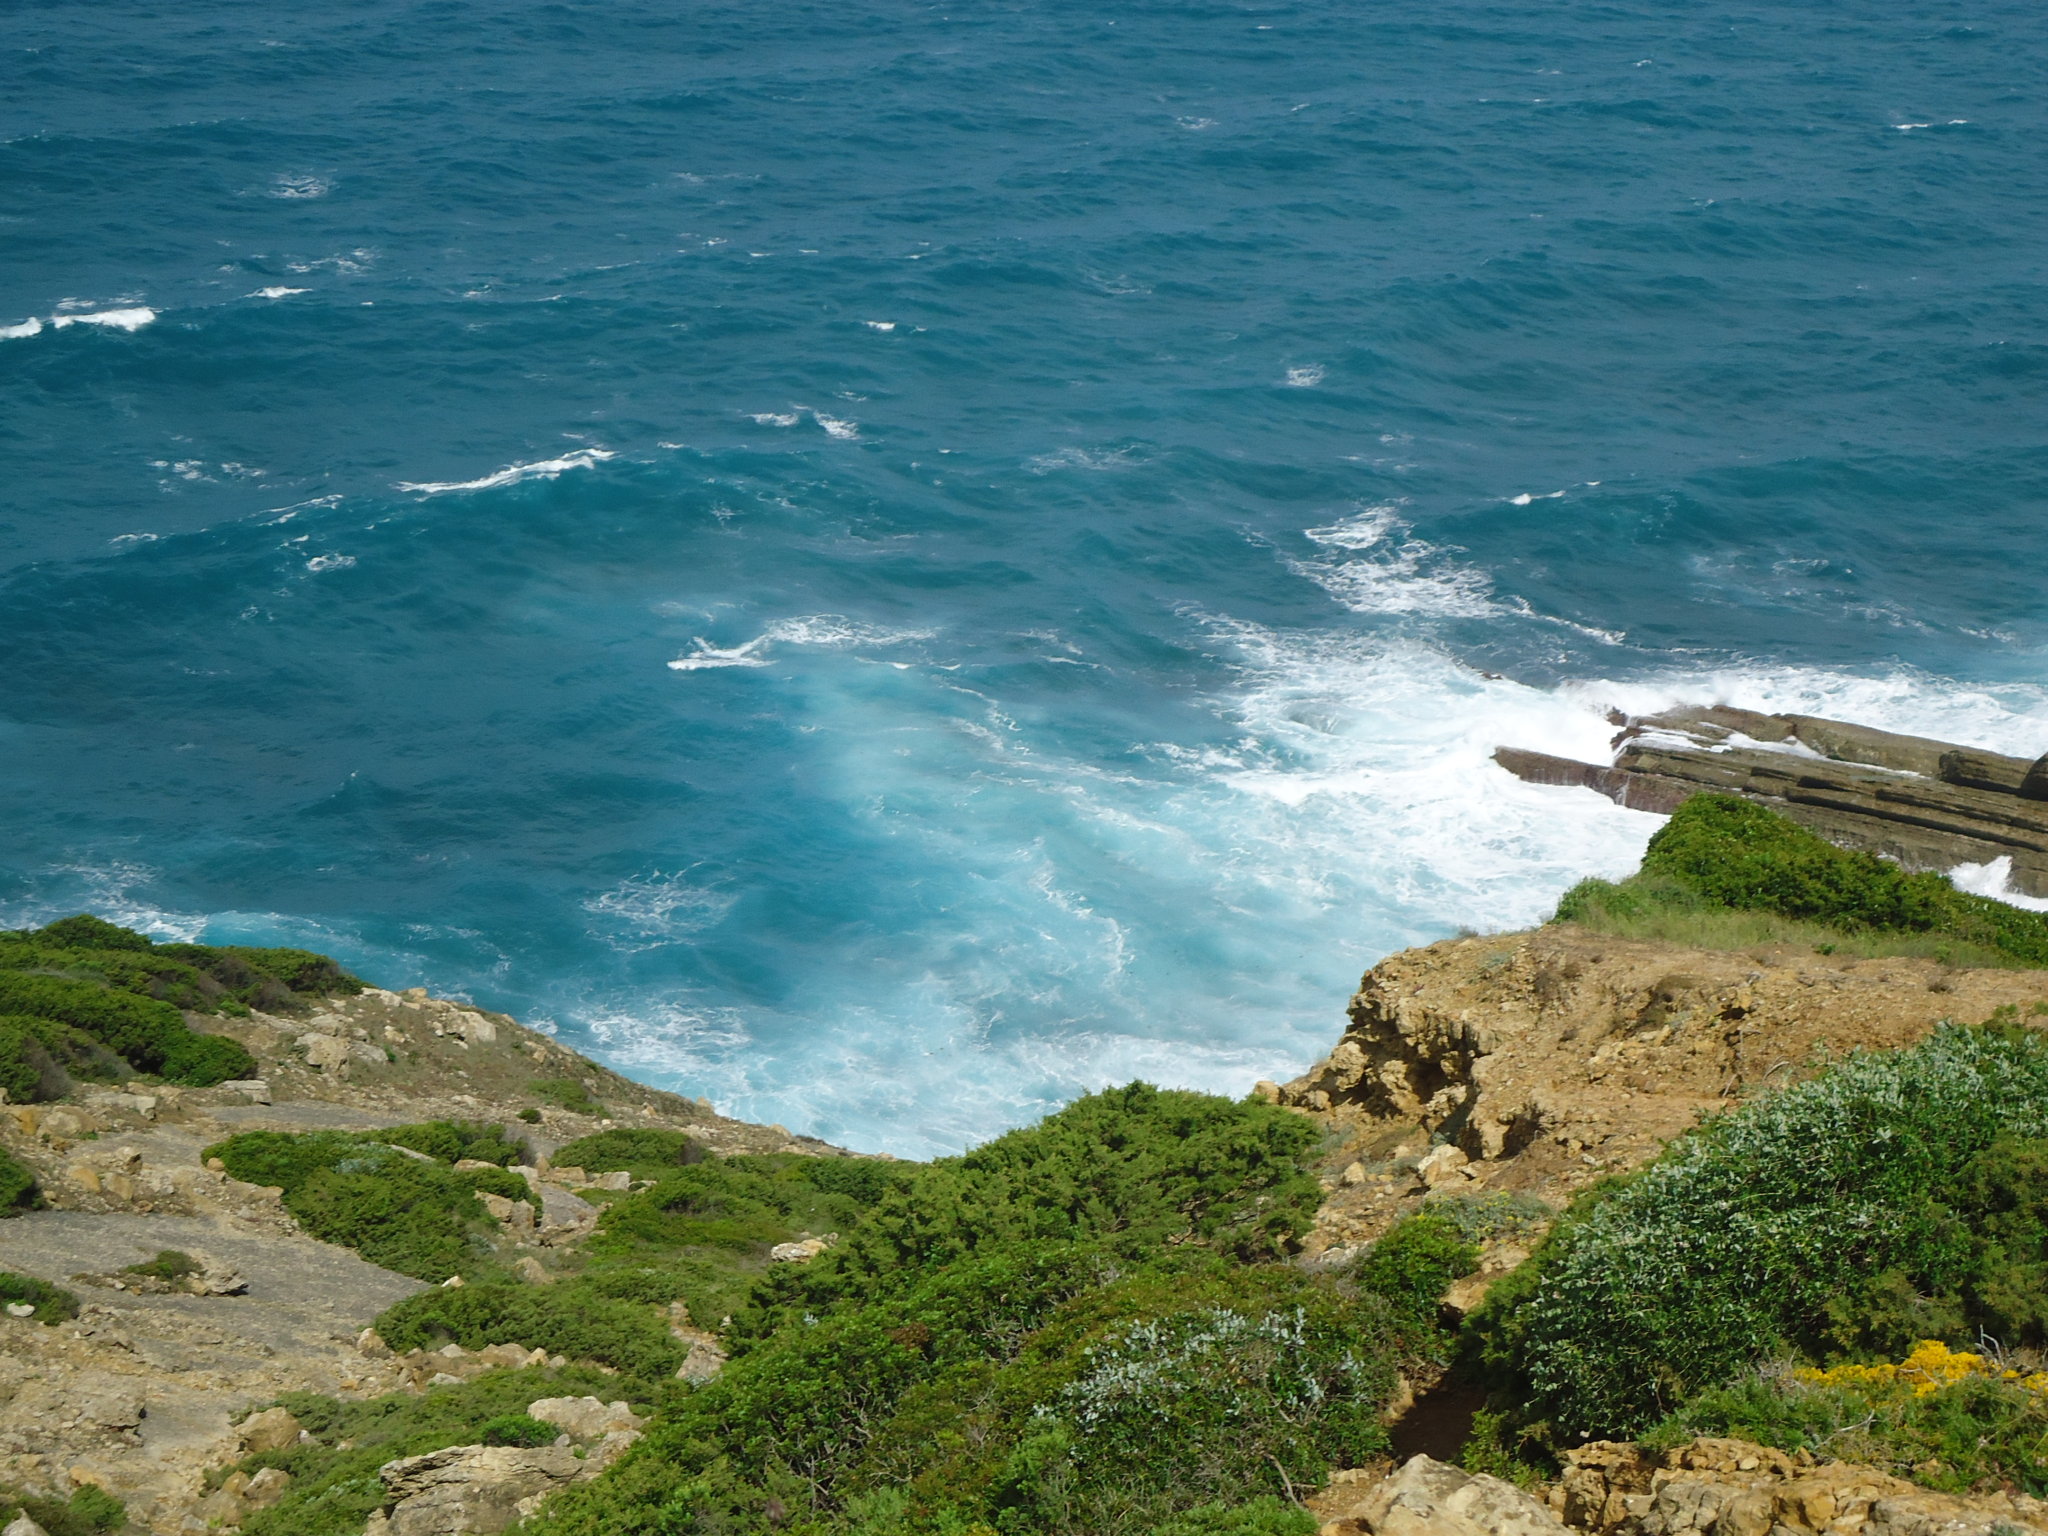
x=1927, y=804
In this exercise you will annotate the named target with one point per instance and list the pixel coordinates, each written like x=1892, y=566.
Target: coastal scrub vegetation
x=1728, y=873
x=1809, y=1235
x=90, y=1511
x=47, y=1303
x=84, y=998
x=405, y=1209
x=1083, y=1325
x=18, y=1190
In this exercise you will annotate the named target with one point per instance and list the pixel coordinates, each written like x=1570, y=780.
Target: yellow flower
x=1931, y=1366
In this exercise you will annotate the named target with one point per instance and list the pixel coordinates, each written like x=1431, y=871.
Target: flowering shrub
x=1931, y=1366
x=1895, y=1197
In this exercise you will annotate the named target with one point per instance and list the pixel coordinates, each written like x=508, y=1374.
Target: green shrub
x=150, y=1035
x=52, y=1303
x=530, y=1115
x=169, y=1264
x=419, y=1218
x=496, y=1181
x=453, y=1140
x=565, y=1093
x=90, y=1511
x=18, y=1189
x=647, y=1154
x=566, y=1318
x=1891, y=1194
x=1415, y=1263
x=1720, y=854
x=1137, y=1167
x=517, y=1429
x=1976, y=1433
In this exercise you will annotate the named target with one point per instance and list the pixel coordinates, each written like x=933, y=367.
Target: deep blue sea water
x=892, y=563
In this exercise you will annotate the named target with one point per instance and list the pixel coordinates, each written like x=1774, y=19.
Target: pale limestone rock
x=1427, y=1498
x=21, y=1525
x=586, y=1418
x=254, y=1089
x=271, y=1430
x=470, y=1490
x=802, y=1252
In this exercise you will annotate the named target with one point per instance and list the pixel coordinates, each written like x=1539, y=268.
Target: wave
x=544, y=469
x=1390, y=572
x=131, y=318
x=831, y=631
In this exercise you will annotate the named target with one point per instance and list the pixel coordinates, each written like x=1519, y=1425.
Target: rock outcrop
x=1929, y=804
x=1537, y=1062
x=1702, y=1488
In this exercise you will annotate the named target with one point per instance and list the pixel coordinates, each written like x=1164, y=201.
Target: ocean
x=889, y=564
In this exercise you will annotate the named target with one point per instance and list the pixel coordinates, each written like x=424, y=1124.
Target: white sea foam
x=544, y=469
x=330, y=562
x=879, y=325
x=829, y=631
x=836, y=427
x=1081, y=458
x=1390, y=572
x=277, y=292
x=656, y=910
x=1308, y=376
x=1994, y=880
x=302, y=185
x=777, y=418
x=128, y=318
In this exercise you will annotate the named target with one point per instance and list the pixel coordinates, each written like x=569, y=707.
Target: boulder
x=1427, y=1498
x=21, y=1525
x=469, y=1490
x=804, y=1251
x=585, y=1418
x=271, y=1430
x=254, y=1089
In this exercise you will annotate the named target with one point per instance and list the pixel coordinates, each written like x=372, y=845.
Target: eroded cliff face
x=1537, y=1062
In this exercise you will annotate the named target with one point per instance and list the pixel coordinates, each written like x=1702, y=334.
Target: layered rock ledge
x=1928, y=804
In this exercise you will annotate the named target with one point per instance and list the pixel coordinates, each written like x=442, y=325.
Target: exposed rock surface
x=1539, y=1061
x=1929, y=804
x=1703, y=1488
x=142, y=1391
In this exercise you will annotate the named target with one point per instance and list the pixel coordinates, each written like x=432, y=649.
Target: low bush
x=566, y=1318
x=1136, y=1168
x=52, y=1304
x=646, y=1154
x=517, y=1429
x=150, y=1036
x=565, y=1093
x=419, y=1218
x=18, y=1189
x=90, y=1511
x=454, y=1140
x=169, y=1264
x=1894, y=1197
x=1728, y=872
x=1953, y=1420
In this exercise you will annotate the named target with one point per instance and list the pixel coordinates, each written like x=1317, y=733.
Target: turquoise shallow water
x=888, y=564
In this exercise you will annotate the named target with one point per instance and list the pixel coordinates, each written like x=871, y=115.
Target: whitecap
x=1079, y=458
x=828, y=631
x=330, y=562
x=836, y=427
x=301, y=186
x=545, y=469
x=29, y=327
x=776, y=418
x=132, y=319
x=879, y=325
x=1308, y=376
x=1392, y=573
x=651, y=911
x=276, y=293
